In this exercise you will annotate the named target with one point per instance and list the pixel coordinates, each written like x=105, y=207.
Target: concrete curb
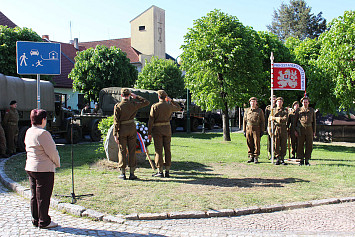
x=98, y=216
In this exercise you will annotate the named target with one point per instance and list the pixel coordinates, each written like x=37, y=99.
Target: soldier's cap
x=296, y=102
x=13, y=102
x=279, y=98
x=125, y=91
x=272, y=97
x=305, y=98
x=162, y=94
x=253, y=98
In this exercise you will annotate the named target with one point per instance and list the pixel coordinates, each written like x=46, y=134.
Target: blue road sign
x=38, y=58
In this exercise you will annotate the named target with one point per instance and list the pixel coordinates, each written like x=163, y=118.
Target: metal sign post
x=272, y=107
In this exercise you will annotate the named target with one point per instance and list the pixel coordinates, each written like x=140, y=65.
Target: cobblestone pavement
x=326, y=220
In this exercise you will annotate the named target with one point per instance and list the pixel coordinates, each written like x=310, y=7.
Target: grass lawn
x=207, y=174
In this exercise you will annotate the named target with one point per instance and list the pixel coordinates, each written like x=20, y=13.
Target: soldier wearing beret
x=267, y=114
x=279, y=120
x=159, y=127
x=305, y=131
x=253, y=127
x=125, y=132
x=292, y=126
x=11, y=127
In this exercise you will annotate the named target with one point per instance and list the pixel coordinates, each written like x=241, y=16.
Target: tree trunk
x=225, y=116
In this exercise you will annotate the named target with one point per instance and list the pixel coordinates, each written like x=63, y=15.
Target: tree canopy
x=161, y=74
x=296, y=20
x=337, y=58
x=8, y=38
x=222, y=63
x=101, y=67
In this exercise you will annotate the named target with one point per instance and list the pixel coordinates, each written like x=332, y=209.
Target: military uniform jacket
x=280, y=117
x=126, y=110
x=11, y=118
x=160, y=114
x=291, y=124
x=306, y=118
x=254, y=117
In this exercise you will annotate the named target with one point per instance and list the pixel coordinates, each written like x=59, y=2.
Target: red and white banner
x=288, y=76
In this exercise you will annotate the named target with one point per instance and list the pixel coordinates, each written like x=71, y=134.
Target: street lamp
x=188, y=126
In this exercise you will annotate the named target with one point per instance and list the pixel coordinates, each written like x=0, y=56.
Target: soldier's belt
x=127, y=121
x=161, y=124
x=280, y=124
x=12, y=123
x=253, y=124
x=305, y=125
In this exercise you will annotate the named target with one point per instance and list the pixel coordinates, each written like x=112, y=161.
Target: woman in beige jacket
x=42, y=159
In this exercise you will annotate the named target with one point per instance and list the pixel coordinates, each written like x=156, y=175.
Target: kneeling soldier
x=253, y=127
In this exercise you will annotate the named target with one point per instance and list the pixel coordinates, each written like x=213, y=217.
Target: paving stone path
x=325, y=220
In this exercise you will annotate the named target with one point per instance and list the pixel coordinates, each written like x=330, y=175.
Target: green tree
x=296, y=20
x=162, y=74
x=267, y=43
x=101, y=67
x=222, y=63
x=8, y=38
x=337, y=58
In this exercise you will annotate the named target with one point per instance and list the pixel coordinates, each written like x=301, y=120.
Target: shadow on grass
x=342, y=149
x=206, y=136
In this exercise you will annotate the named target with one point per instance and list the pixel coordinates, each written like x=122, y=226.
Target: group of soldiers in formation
x=9, y=131
x=298, y=123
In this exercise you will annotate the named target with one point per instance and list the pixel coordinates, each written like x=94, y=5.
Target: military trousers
x=253, y=140
x=294, y=141
x=280, y=141
x=162, y=140
x=11, y=132
x=127, y=142
x=2, y=141
x=305, y=143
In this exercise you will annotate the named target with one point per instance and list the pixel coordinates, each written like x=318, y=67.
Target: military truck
x=60, y=121
x=108, y=97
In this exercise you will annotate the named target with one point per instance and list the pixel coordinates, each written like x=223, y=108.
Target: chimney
x=76, y=43
x=46, y=37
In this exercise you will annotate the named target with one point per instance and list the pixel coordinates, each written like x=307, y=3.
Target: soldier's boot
x=131, y=173
x=167, y=172
x=283, y=161
x=256, y=160
x=278, y=161
x=307, y=162
x=251, y=159
x=123, y=174
x=301, y=162
x=160, y=173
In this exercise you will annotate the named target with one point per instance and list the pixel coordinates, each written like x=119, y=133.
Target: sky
x=92, y=20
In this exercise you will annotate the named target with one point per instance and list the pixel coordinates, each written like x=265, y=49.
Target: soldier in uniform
x=2, y=142
x=253, y=127
x=267, y=114
x=279, y=120
x=11, y=127
x=305, y=131
x=159, y=127
x=291, y=128
x=125, y=132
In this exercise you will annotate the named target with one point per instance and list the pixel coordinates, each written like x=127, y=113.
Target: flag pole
x=272, y=105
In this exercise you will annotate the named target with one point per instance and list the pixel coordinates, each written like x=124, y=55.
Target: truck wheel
x=194, y=124
x=21, y=138
x=76, y=134
x=95, y=133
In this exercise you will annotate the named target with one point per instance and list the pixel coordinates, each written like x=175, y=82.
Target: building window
x=141, y=28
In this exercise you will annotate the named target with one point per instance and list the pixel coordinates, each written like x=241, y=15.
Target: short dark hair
x=37, y=115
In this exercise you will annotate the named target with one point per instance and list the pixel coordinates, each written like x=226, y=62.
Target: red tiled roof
x=124, y=44
x=6, y=21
